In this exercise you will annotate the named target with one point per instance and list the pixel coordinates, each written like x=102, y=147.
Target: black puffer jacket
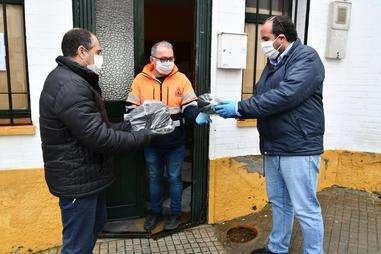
x=77, y=139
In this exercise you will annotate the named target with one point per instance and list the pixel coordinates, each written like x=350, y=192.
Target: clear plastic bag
x=206, y=103
x=152, y=115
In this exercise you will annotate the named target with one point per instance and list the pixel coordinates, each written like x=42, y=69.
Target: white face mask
x=164, y=68
x=269, y=50
x=97, y=65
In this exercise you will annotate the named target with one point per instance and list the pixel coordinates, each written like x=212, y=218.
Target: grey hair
x=160, y=44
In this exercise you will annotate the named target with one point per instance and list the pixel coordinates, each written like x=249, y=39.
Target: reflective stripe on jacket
x=175, y=91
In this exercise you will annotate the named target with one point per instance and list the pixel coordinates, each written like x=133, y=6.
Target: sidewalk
x=352, y=222
x=200, y=239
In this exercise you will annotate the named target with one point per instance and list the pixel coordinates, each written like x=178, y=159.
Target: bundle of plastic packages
x=206, y=103
x=152, y=115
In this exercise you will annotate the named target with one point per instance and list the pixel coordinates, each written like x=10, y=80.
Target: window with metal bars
x=14, y=84
x=257, y=12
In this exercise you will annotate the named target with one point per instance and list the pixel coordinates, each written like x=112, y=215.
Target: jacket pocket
x=299, y=124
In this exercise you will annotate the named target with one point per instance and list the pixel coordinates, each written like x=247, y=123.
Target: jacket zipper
x=158, y=81
x=161, y=95
x=161, y=83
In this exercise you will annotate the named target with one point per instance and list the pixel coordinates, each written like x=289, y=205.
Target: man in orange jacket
x=161, y=80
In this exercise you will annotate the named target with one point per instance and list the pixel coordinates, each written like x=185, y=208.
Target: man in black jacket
x=289, y=108
x=78, y=140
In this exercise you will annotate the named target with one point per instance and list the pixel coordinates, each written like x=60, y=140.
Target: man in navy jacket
x=288, y=105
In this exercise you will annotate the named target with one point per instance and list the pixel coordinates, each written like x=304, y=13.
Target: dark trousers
x=82, y=219
x=156, y=160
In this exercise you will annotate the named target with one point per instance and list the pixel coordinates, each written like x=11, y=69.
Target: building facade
x=229, y=149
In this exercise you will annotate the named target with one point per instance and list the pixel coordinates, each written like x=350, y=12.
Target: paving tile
x=204, y=249
x=170, y=248
x=112, y=247
x=351, y=219
x=196, y=249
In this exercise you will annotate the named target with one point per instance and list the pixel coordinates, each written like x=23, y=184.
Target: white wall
x=225, y=138
x=352, y=88
x=46, y=22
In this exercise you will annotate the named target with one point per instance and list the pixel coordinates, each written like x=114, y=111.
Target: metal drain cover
x=241, y=234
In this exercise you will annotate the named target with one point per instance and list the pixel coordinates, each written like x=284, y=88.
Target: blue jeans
x=291, y=183
x=156, y=160
x=82, y=219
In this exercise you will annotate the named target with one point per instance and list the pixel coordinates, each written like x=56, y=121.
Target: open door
x=115, y=23
x=127, y=30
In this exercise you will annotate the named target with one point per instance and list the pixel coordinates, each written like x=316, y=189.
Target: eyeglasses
x=165, y=59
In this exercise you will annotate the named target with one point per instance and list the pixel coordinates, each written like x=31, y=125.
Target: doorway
x=119, y=25
x=172, y=21
x=166, y=20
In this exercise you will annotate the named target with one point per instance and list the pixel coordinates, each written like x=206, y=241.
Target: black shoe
x=172, y=222
x=262, y=251
x=151, y=221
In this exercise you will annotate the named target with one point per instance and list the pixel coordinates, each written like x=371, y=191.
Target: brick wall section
x=352, y=88
x=351, y=95
x=225, y=138
x=46, y=22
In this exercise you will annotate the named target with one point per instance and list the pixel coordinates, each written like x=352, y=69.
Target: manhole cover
x=241, y=234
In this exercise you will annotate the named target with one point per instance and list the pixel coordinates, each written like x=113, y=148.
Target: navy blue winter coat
x=288, y=104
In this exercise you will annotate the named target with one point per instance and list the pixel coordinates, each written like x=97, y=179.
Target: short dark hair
x=284, y=25
x=75, y=38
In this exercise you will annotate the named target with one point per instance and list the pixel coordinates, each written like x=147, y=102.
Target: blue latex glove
x=203, y=118
x=226, y=109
